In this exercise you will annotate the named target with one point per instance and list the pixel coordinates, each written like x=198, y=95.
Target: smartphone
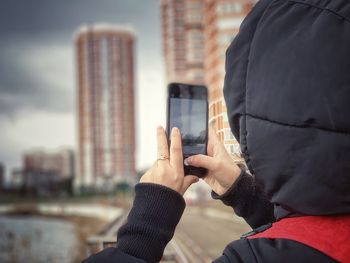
x=187, y=109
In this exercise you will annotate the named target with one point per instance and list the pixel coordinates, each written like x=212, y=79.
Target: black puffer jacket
x=287, y=89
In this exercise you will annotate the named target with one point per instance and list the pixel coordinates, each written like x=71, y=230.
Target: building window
x=226, y=39
x=220, y=124
x=194, y=5
x=229, y=23
x=195, y=34
x=228, y=134
x=234, y=149
x=237, y=149
x=194, y=18
x=226, y=8
x=195, y=56
x=195, y=75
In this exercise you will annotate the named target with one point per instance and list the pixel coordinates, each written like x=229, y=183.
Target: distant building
x=106, y=117
x=2, y=176
x=45, y=172
x=183, y=40
x=203, y=30
x=43, y=183
x=60, y=162
x=17, y=179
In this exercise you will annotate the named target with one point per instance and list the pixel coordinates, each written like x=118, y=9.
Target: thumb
x=188, y=180
x=201, y=160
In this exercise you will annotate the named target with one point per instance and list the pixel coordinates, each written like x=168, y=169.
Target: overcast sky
x=37, y=72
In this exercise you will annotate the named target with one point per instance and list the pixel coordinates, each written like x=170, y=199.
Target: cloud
x=36, y=77
x=37, y=45
x=39, y=18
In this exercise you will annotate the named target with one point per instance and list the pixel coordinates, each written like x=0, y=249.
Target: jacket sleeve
x=150, y=226
x=248, y=200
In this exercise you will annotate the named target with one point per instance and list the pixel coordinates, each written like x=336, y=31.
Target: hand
x=222, y=171
x=168, y=170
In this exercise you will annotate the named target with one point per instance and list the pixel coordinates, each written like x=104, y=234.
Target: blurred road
x=201, y=236
x=203, y=233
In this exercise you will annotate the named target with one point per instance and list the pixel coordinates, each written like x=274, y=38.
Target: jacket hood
x=287, y=91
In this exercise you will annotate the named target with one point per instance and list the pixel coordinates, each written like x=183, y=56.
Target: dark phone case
x=188, y=170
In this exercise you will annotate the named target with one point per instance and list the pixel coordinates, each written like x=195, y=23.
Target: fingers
x=201, y=160
x=213, y=140
x=213, y=136
x=188, y=181
x=162, y=143
x=176, y=158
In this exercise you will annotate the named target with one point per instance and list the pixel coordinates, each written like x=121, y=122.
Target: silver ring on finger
x=162, y=157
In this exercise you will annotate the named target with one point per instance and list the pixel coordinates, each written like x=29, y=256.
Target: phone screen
x=190, y=116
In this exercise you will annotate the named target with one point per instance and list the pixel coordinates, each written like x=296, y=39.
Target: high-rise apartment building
x=106, y=128
x=183, y=40
x=196, y=34
x=222, y=19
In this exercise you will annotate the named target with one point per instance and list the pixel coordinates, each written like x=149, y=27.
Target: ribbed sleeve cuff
x=151, y=222
x=248, y=200
x=240, y=190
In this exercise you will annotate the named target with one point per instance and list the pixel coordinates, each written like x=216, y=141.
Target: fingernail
x=186, y=162
x=159, y=129
x=175, y=130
